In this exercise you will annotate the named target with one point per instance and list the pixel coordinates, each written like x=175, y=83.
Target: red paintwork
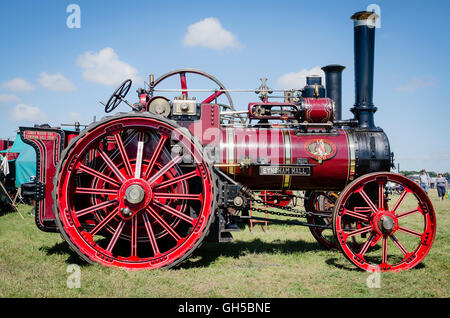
x=69, y=137
x=47, y=143
x=319, y=110
x=6, y=144
x=183, y=83
x=212, y=97
x=206, y=130
x=143, y=99
x=257, y=144
x=280, y=198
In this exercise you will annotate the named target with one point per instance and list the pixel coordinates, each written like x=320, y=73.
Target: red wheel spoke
x=155, y=156
x=151, y=235
x=212, y=97
x=105, y=221
x=375, y=240
x=163, y=223
x=381, y=195
x=174, y=212
x=164, y=169
x=116, y=235
x=398, y=244
x=359, y=231
x=116, y=151
x=399, y=201
x=403, y=214
x=111, y=165
x=123, y=153
x=98, y=174
x=176, y=180
x=409, y=231
x=366, y=245
x=96, y=191
x=134, y=235
x=180, y=196
x=384, y=251
x=368, y=201
x=356, y=215
x=96, y=207
x=183, y=83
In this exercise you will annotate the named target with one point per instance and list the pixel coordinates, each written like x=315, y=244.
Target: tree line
x=432, y=174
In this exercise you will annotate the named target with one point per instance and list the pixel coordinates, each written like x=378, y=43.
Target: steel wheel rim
x=151, y=218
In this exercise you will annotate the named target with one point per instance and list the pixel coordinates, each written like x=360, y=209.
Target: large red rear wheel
x=134, y=191
x=394, y=232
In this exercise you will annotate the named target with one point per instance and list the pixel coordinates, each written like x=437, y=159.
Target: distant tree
x=430, y=173
x=409, y=172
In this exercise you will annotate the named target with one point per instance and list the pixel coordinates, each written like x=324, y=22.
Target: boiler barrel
x=283, y=159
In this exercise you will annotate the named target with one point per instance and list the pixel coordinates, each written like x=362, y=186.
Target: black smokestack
x=333, y=84
x=364, y=33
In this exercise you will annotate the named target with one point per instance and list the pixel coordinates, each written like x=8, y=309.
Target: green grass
x=286, y=261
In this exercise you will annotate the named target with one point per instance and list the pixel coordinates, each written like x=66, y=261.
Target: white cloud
x=416, y=83
x=297, y=80
x=7, y=98
x=18, y=85
x=104, y=67
x=209, y=33
x=56, y=82
x=26, y=113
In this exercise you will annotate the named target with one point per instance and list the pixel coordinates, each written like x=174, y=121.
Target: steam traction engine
x=143, y=189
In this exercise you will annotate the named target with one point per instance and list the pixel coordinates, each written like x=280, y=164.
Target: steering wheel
x=117, y=96
x=212, y=97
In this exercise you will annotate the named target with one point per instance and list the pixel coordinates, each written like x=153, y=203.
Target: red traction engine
x=144, y=189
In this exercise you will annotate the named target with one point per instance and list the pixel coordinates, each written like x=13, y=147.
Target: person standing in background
x=441, y=186
x=424, y=180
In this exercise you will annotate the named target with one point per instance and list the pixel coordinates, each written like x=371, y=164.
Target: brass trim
x=230, y=149
x=351, y=156
x=286, y=184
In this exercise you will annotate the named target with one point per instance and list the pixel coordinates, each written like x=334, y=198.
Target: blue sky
x=51, y=73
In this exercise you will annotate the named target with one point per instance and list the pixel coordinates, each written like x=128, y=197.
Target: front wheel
x=394, y=232
x=134, y=191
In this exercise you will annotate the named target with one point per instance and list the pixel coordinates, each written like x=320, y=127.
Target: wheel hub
x=135, y=194
x=386, y=224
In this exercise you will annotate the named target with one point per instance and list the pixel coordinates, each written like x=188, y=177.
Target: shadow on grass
x=63, y=248
x=6, y=209
x=350, y=267
x=209, y=252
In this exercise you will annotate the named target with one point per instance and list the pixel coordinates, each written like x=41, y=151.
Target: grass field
x=284, y=262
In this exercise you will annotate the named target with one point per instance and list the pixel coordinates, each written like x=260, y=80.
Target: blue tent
x=25, y=162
